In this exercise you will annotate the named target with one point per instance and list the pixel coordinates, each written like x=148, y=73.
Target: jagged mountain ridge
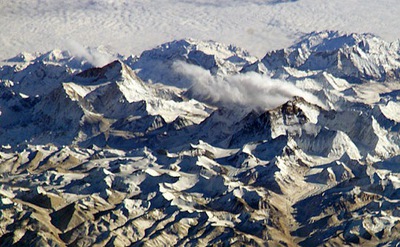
x=353, y=57
x=94, y=99
x=122, y=155
x=156, y=64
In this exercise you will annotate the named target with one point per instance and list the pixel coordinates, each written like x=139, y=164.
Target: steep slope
x=157, y=65
x=74, y=108
x=103, y=156
x=354, y=57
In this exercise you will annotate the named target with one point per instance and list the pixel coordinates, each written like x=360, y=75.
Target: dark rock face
x=116, y=156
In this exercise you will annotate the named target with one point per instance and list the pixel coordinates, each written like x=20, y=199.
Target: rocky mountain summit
x=198, y=143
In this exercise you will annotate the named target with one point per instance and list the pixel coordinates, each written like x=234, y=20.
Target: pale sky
x=129, y=27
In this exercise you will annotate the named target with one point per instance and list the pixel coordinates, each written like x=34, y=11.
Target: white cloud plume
x=246, y=90
x=93, y=56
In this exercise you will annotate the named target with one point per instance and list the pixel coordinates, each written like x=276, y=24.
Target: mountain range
x=198, y=143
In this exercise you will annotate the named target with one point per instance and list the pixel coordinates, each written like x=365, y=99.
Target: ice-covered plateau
x=197, y=143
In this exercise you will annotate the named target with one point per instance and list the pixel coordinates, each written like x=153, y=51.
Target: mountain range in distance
x=199, y=143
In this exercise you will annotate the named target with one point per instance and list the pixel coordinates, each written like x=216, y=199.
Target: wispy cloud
x=245, y=90
x=93, y=56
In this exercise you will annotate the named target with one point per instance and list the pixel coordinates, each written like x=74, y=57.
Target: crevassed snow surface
x=129, y=27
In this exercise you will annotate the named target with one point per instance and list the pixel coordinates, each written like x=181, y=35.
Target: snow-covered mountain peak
x=288, y=150
x=55, y=56
x=326, y=41
x=181, y=48
x=115, y=70
x=156, y=65
x=354, y=57
x=23, y=57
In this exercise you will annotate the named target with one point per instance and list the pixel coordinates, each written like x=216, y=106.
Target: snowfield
x=117, y=131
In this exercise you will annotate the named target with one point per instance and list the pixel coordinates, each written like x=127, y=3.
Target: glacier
x=198, y=143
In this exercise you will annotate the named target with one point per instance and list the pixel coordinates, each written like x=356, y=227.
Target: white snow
x=390, y=110
x=129, y=27
x=246, y=152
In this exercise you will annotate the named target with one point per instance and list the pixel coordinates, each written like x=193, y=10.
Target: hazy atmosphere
x=130, y=27
x=199, y=123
